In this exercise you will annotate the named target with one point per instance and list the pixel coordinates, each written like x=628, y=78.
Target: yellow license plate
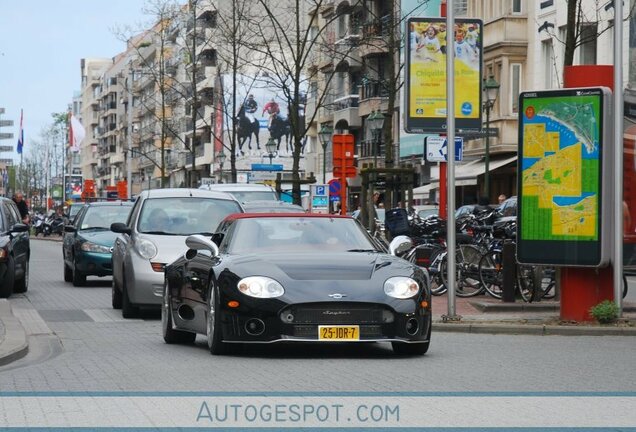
x=339, y=333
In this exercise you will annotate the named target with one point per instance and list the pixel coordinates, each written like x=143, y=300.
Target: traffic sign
x=267, y=167
x=436, y=148
x=262, y=176
x=334, y=187
x=321, y=190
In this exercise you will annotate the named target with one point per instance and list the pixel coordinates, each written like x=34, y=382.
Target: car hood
x=104, y=238
x=357, y=276
x=169, y=247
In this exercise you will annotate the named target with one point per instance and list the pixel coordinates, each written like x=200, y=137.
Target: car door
x=69, y=237
x=122, y=245
x=19, y=240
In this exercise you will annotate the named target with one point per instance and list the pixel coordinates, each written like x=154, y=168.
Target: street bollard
x=509, y=265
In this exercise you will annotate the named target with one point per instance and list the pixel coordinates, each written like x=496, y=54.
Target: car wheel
x=22, y=285
x=215, y=344
x=6, y=287
x=68, y=273
x=128, y=310
x=116, y=297
x=402, y=348
x=79, y=279
x=170, y=335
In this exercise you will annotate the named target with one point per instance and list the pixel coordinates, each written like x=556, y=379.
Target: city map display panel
x=562, y=156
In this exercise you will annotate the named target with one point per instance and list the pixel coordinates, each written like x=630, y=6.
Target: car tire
x=170, y=335
x=68, y=273
x=116, y=297
x=6, y=287
x=213, y=327
x=128, y=310
x=412, y=349
x=22, y=285
x=79, y=278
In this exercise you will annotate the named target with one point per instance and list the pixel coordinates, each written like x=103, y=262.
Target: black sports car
x=288, y=277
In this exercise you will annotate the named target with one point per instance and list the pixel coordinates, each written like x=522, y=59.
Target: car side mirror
x=198, y=242
x=120, y=228
x=399, y=245
x=217, y=238
x=69, y=228
x=19, y=227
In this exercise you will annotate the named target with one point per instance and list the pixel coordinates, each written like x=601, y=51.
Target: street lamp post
x=270, y=148
x=220, y=157
x=376, y=123
x=491, y=90
x=325, y=138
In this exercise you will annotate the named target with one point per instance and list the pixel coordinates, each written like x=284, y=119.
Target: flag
x=20, y=135
x=76, y=133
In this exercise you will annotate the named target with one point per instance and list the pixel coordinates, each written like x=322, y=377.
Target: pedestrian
x=501, y=198
x=18, y=198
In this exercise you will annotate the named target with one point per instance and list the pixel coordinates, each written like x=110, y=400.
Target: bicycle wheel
x=491, y=274
x=468, y=283
x=625, y=286
x=438, y=264
x=525, y=282
x=548, y=283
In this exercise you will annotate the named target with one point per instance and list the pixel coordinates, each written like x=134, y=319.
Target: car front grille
x=336, y=313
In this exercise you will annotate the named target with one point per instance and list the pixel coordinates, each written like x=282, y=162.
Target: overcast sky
x=41, y=45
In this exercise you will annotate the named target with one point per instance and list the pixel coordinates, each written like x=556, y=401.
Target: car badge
x=337, y=296
x=111, y=249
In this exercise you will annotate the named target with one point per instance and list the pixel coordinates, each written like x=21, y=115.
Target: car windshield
x=298, y=233
x=247, y=196
x=74, y=209
x=100, y=217
x=184, y=215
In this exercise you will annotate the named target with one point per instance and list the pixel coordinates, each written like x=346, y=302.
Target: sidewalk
x=13, y=340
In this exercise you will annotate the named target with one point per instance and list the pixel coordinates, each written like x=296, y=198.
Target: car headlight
x=93, y=247
x=401, y=287
x=146, y=248
x=261, y=287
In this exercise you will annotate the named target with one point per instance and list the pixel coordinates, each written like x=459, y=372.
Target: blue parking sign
x=320, y=190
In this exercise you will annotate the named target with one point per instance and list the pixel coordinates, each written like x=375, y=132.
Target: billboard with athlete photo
x=426, y=74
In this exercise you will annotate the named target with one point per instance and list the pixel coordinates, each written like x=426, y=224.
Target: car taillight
x=158, y=267
x=4, y=254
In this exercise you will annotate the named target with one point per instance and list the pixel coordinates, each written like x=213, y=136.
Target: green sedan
x=88, y=242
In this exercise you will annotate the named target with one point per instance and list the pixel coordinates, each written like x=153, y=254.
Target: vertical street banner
x=565, y=149
x=426, y=74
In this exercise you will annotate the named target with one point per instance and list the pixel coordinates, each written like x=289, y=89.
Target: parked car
x=508, y=207
x=72, y=211
x=88, y=242
x=15, y=250
x=272, y=207
x=245, y=192
x=268, y=278
x=154, y=235
x=424, y=211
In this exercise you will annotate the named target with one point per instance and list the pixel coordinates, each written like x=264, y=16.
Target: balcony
x=374, y=96
x=375, y=36
x=205, y=78
x=347, y=51
x=346, y=111
x=204, y=117
x=199, y=151
x=117, y=158
x=509, y=33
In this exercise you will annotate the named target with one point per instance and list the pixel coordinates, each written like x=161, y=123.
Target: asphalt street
x=78, y=343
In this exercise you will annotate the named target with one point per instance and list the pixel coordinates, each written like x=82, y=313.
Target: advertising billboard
x=426, y=75
x=262, y=112
x=73, y=186
x=563, y=153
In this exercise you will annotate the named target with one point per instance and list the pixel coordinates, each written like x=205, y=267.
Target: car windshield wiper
x=158, y=233
x=96, y=228
x=361, y=250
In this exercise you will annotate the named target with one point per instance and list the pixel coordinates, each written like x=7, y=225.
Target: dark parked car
x=15, y=250
x=295, y=278
x=88, y=242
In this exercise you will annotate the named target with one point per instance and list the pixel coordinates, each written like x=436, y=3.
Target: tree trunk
x=570, y=33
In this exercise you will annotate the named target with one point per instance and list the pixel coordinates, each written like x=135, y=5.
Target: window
x=587, y=49
x=516, y=6
x=515, y=86
x=548, y=63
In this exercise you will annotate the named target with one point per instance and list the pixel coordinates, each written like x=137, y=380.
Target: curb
x=486, y=307
x=49, y=239
x=533, y=329
x=15, y=345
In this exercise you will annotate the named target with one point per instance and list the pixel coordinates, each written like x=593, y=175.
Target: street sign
x=262, y=176
x=436, y=150
x=6, y=148
x=334, y=187
x=267, y=167
x=6, y=123
x=320, y=190
x=207, y=181
x=6, y=135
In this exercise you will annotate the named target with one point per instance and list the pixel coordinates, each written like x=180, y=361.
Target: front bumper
x=94, y=264
x=144, y=285
x=377, y=322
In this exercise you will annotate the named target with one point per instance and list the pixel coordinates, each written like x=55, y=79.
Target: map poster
x=426, y=53
x=562, y=157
